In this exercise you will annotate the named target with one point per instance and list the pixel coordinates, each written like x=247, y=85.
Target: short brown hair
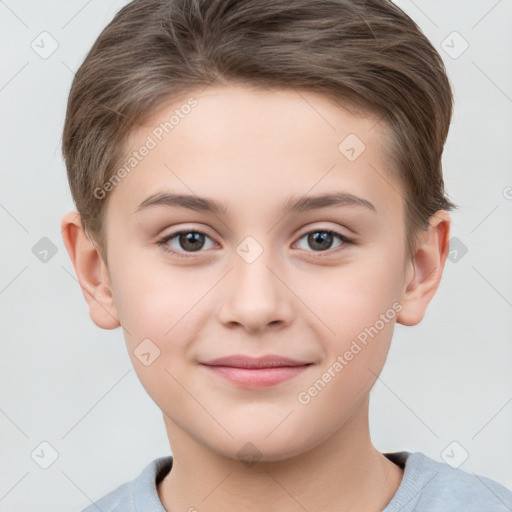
x=364, y=53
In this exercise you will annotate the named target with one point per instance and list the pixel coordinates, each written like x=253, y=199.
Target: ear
x=425, y=269
x=91, y=271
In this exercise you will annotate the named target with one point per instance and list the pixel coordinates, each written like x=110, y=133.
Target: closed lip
x=250, y=362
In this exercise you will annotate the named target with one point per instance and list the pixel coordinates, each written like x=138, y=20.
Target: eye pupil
x=194, y=241
x=191, y=241
x=319, y=239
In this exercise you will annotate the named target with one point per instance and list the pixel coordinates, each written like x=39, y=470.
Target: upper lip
x=267, y=361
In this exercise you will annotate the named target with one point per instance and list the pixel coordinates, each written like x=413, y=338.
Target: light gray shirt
x=427, y=486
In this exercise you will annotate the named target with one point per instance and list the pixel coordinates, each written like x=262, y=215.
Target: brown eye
x=183, y=242
x=191, y=241
x=321, y=240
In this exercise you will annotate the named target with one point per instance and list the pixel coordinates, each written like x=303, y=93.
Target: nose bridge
x=255, y=296
x=252, y=273
x=253, y=281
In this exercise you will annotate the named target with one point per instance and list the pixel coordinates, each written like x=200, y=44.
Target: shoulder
x=118, y=499
x=429, y=485
x=137, y=495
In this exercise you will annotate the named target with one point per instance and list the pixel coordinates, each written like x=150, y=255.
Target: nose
x=255, y=296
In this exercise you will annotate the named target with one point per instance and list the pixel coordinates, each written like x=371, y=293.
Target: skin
x=252, y=150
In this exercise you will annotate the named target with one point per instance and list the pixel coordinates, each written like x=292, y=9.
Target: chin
x=257, y=448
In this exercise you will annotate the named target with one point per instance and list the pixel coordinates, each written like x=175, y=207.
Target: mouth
x=255, y=372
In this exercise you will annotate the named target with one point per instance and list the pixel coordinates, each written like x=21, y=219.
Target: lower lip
x=257, y=377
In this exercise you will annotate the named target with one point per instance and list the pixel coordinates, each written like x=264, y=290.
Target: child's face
x=257, y=284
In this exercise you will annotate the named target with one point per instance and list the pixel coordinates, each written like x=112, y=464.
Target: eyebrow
x=292, y=205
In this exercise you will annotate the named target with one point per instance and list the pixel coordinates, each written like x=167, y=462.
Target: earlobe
x=426, y=269
x=91, y=271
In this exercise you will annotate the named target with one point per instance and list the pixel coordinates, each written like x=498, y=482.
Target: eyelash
x=163, y=241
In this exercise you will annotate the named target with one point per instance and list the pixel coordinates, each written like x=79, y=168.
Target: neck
x=345, y=472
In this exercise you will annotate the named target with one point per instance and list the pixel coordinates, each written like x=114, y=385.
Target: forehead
x=221, y=113
x=253, y=146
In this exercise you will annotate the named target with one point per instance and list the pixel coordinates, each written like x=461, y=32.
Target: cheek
x=352, y=296
x=158, y=308
x=357, y=306
x=152, y=299
x=157, y=340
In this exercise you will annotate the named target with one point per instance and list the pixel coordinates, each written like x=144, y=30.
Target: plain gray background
x=446, y=387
